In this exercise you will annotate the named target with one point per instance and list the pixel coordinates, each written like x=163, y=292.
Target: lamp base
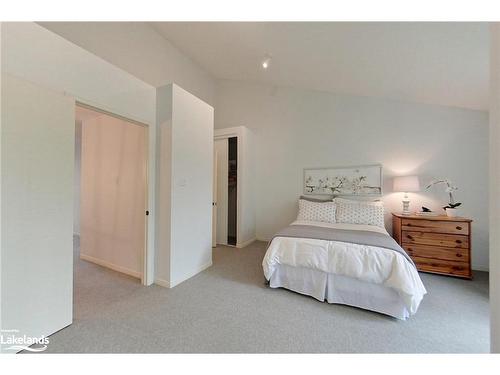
x=406, y=207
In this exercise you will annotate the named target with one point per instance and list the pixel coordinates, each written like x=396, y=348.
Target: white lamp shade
x=406, y=184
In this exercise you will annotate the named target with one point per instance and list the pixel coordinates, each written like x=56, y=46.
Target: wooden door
x=113, y=193
x=221, y=147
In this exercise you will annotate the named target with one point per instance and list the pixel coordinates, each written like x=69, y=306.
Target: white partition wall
x=37, y=209
x=37, y=55
x=35, y=200
x=495, y=187
x=184, y=191
x=0, y=182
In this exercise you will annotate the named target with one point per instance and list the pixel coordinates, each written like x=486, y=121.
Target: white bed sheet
x=368, y=264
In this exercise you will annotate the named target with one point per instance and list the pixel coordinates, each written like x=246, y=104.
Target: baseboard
x=110, y=265
x=189, y=275
x=246, y=243
x=167, y=284
x=263, y=239
x=478, y=267
x=163, y=283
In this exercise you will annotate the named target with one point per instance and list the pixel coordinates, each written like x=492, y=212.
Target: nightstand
x=437, y=244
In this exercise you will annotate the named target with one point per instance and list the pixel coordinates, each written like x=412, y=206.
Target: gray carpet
x=227, y=308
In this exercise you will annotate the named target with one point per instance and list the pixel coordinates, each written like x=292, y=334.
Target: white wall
x=0, y=178
x=192, y=168
x=138, y=49
x=495, y=188
x=184, y=245
x=246, y=154
x=164, y=185
x=40, y=56
x=37, y=55
x=37, y=208
x=76, y=178
x=294, y=129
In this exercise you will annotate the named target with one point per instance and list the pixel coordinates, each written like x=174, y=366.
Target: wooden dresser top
x=436, y=218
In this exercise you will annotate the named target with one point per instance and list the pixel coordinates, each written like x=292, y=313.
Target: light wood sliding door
x=113, y=191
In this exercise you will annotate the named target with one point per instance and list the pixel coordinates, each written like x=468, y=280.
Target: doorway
x=226, y=188
x=111, y=184
x=232, y=190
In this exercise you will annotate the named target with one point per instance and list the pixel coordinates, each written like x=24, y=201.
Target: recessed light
x=266, y=62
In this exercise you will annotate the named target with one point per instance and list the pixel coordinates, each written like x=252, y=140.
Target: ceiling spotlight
x=266, y=62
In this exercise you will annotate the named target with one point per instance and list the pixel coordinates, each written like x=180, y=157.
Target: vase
x=451, y=212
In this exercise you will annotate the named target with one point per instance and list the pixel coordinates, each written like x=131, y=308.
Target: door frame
x=147, y=255
x=235, y=132
x=214, y=199
x=222, y=204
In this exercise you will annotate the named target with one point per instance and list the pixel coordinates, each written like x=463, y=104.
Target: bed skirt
x=339, y=289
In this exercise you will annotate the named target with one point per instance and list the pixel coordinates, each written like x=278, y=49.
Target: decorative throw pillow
x=369, y=202
x=354, y=212
x=316, y=211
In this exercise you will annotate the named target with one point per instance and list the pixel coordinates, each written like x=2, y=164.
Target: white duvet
x=367, y=263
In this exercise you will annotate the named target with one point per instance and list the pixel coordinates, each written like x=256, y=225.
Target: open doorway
x=226, y=187
x=232, y=190
x=110, y=223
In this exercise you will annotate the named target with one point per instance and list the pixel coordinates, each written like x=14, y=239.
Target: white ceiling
x=437, y=63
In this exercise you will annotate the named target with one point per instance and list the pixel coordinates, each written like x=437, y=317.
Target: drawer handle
x=459, y=228
x=410, y=237
x=458, y=241
x=459, y=255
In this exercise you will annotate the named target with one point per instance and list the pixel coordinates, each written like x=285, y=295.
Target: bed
x=353, y=264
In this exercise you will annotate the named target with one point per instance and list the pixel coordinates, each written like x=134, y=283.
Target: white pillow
x=316, y=211
x=359, y=212
x=344, y=200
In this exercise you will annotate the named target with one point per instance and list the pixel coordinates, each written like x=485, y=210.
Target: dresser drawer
x=435, y=239
x=447, y=267
x=435, y=226
x=437, y=244
x=436, y=252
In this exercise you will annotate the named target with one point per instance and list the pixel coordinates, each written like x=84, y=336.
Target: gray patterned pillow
x=360, y=213
x=316, y=211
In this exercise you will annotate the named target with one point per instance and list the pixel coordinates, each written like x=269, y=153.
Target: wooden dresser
x=437, y=244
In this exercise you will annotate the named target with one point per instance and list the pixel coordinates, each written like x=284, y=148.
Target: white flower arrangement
x=450, y=188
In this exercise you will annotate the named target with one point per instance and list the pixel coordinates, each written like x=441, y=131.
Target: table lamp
x=406, y=184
